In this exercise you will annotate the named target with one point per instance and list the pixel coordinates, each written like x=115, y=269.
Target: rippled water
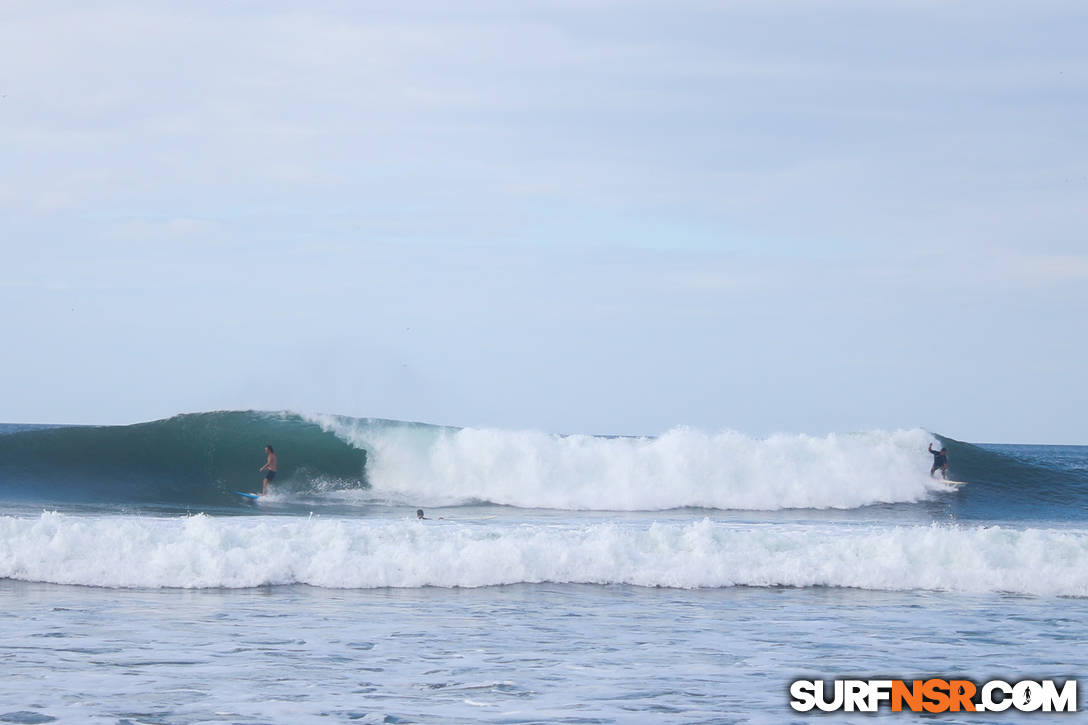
x=513, y=654
x=327, y=606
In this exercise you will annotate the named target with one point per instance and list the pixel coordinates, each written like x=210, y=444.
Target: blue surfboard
x=250, y=496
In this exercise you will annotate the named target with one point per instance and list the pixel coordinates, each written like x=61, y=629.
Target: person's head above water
x=419, y=513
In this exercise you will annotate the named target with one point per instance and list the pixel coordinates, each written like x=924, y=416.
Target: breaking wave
x=198, y=459
x=201, y=551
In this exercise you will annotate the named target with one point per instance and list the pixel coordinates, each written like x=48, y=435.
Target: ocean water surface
x=687, y=577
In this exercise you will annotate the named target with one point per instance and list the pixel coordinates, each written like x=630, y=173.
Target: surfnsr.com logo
x=933, y=695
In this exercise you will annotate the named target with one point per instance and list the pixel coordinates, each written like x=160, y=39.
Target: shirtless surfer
x=269, y=466
x=940, y=461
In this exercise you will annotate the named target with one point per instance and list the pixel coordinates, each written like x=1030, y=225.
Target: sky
x=593, y=216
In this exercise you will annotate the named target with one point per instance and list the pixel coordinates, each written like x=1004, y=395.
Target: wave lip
x=201, y=552
x=683, y=468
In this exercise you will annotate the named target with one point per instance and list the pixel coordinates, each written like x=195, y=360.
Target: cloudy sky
x=593, y=216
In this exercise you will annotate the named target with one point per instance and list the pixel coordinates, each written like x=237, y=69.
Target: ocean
x=688, y=577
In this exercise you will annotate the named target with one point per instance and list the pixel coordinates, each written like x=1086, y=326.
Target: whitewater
x=680, y=468
x=201, y=551
x=682, y=577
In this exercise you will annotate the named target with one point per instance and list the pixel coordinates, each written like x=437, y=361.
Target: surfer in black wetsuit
x=421, y=517
x=940, y=461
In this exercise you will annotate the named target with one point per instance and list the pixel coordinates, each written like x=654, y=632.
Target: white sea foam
x=202, y=551
x=682, y=468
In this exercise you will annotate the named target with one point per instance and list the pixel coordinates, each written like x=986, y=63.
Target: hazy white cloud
x=748, y=213
x=1041, y=269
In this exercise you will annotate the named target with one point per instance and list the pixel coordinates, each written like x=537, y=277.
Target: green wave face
x=195, y=458
x=1005, y=484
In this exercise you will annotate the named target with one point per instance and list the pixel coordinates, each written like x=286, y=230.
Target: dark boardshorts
x=269, y=475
